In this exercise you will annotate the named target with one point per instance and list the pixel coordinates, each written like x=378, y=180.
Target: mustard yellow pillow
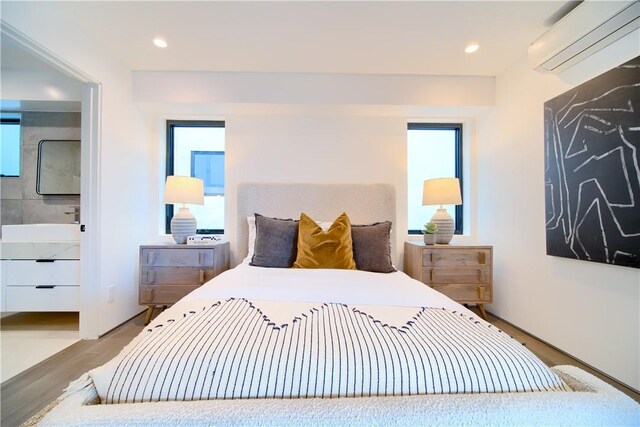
x=330, y=249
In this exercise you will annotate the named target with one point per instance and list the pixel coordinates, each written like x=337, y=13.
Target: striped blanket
x=230, y=349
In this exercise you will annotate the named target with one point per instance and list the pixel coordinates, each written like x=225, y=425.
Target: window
x=433, y=151
x=196, y=148
x=10, y=143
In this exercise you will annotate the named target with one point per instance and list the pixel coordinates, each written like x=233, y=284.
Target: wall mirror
x=58, y=167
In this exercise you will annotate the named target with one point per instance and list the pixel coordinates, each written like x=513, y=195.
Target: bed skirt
x=592, y=402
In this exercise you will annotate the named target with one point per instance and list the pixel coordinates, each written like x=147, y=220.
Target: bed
x=296, y=346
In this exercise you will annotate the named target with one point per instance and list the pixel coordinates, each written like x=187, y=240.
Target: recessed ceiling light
x=160, y=42
x=471, y=47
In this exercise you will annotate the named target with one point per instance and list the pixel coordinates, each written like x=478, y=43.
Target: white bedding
x=382, y=294
x=287, y=333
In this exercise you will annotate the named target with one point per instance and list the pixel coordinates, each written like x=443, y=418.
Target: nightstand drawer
x=169, y=272
x=462, y=257
x=176, y=276
x=463, y=273
x=159, y=257
x=456, y=275
x=465, y=293
x=163, y=294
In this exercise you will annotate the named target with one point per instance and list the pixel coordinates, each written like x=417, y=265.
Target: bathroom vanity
x=40, y=267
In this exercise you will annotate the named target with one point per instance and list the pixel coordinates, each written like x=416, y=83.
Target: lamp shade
x=441, y=191
x=184, y=189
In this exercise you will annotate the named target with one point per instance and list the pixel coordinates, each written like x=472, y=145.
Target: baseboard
x=128, y=320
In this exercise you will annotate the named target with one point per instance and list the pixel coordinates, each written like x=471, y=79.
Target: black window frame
x=457, y=127
x=13, y=121
x=171, y=125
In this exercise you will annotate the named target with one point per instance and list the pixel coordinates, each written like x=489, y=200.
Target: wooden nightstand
x=169, y=272
x=463, y=273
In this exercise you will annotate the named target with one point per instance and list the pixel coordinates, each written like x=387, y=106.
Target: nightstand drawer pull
x=481, y=292
x=151, y=276
x=482, y=258
x=150, y=256
x=481, y=275
x=432, y=274
x=149, y=295
x=201, y=276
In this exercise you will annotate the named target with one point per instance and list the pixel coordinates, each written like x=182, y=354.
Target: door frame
x=91, y=113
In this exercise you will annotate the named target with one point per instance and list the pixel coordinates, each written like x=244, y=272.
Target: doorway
x=63, y=88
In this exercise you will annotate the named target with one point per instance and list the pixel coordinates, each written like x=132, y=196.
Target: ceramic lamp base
x=445, y=226
x=183, y=224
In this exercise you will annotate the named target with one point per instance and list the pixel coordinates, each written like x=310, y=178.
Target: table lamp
x=442, y=191
x=183, y=190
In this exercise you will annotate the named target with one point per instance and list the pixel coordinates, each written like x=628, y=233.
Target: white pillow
x=251, y=220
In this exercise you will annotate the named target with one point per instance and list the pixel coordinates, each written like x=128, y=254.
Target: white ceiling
x=381, y=37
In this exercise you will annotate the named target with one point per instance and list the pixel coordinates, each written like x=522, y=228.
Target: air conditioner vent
x=588, y=28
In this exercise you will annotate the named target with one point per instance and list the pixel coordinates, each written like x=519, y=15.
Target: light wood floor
x=28, y=392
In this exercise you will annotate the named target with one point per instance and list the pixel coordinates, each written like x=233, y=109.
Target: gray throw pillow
x=276, y=242
x=372, y=247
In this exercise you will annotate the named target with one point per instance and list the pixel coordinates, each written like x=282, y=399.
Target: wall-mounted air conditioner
x=589, y=27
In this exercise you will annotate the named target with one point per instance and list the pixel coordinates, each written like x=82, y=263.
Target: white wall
x=327, y=149
x=123, y=174
x=589, y=310
x=338, y=132
x=311, y=88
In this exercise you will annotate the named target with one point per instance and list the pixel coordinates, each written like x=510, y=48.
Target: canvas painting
x=592, y=172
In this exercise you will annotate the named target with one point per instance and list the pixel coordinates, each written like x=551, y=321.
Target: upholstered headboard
x=364, y=203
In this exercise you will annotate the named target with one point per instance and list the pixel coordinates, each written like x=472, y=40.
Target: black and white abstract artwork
x=592, y=172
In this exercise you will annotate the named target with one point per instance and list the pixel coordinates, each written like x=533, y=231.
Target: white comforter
x=381, y=294
x=256, y=332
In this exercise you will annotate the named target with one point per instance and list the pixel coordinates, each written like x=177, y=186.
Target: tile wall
x=20, y=204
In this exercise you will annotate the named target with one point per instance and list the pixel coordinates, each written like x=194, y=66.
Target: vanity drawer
x=185, y=257
x=32, y=272
x=49, y=298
